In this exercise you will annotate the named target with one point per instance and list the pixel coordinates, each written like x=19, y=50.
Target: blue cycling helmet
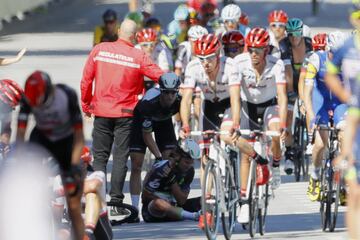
x=169, y=82
x=294, y=25
x=181, y=13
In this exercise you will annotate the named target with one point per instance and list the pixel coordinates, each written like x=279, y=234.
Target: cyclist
x=293, y=50
x=10, y=96
x=211, y=74
x=180, y=25
x=153, y=114
x=167, y=187
x=277, y=22
x=319, y=42
x=208, y=11
x=230, y=16
x=233, y=43
x=109, y=31
x=97, y=224
x=261, y=86
x=185, y=50
x=165, y=40
x=59, y=129
x=137, y=17
x=346, y=60
x=7, y=61
x=319, y=100
x=147, y=38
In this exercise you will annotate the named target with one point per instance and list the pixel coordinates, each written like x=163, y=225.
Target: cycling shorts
x=164, y=135
x=268, y=112
x=321, y=108
x=191, y=205
x=210, y=119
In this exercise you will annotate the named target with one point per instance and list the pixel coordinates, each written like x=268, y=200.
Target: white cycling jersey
x=183, y=55
x=261, y=90
x=196, y=77
x=162, y=57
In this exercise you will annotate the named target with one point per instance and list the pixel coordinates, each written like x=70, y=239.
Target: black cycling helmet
x=109, y=15
x=152, y=22
x=169, y=82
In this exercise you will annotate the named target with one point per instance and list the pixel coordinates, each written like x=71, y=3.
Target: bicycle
x=257, y=196
x=301, y=161
x=331, y=180
x=129, y=213
x=221, y=186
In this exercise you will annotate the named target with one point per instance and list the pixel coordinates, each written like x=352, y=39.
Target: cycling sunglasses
x=230, y=22
x=207, y=59
x=278, y=25
x=147, y=44
x=295, y=34
x=233, y=50
x=257, y=51
x=168, y=91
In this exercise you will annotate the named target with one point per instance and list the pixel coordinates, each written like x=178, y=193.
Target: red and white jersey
x=183, y=55
x=260, y=90
x=196, y=77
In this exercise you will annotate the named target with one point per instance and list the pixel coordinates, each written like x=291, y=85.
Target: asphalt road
x=58, y=41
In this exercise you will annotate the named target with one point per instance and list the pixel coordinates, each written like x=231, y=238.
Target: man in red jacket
x=118, y=69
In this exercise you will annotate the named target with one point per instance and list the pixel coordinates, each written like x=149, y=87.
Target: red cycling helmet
x=208, y=9
x=262, y=174
x=257, y=37
x=233, y=37
x=86, y=155
x=319, y=41
x=146, y=35
x=10, y=92
x=206, y=45
x=37, y=88
x=244, y=19
x=278, y=16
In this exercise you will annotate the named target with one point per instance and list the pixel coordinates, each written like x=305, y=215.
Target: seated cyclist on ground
x=97, y=224
x=167, y=187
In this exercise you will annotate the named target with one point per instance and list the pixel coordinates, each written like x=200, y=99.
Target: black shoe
x=135, y=220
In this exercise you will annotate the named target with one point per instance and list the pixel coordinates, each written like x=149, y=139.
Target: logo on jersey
x=147, y=124
x=155, y=184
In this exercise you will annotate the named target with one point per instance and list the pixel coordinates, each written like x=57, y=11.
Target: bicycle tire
x=253, y=210
x=297, y=160
x=336, y=189
x=131, y=217
x=210, y=231
x=263, y=211
x=228, y=221
x=323, y=202
x=304, y=158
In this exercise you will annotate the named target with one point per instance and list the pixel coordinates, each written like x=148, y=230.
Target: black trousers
x=110, y=132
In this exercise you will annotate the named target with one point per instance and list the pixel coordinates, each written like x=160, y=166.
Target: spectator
x=118, y=69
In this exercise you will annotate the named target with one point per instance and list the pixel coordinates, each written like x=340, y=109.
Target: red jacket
x=118, y=69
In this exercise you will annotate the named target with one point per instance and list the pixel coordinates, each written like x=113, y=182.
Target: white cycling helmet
x=192, y=148
x=335, y=40
x=196, y=32
x=231, y=12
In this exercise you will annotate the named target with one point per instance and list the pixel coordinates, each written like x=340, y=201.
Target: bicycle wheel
x=129, y=213
x=253, y=208
x=228, y=217
x=263, y=210
x=304, y=161
x=210, y=200
x=323, y=200
x=336, y=185
x=297, y=160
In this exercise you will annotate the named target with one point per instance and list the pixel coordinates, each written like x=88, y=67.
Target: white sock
x=188, y=215
x=315, y=174
x=135, y=200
